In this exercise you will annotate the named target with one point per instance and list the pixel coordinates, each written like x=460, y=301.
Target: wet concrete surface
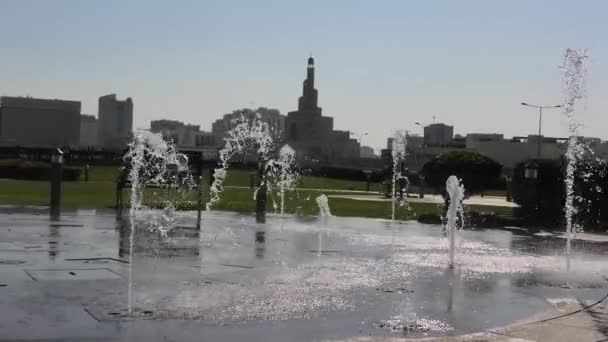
x=291, y=279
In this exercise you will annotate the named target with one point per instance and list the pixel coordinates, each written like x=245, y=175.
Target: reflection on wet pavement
x=287, y=279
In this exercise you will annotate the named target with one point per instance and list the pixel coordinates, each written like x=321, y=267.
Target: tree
x=477, y=171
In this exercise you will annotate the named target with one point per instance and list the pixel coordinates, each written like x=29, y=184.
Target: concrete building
x=88, y=131
x=509, y=152
x=176, y=131
x=208, y=143
x=438, y=134
x=31, y=122
x=188, y=137
x=115, y=122
x=366, y=152
x=272, y=117
x=312, y=135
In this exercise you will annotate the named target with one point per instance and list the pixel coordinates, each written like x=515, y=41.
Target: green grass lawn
x=240, y=177
x=99, y=192
x=102, y=195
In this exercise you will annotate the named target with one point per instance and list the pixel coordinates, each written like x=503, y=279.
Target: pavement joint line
x=238, y=266
x=91, y=314
x=59, y=225
x=97, y=258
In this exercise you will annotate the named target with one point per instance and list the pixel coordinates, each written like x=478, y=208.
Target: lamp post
x=540, y=121
x=423, y=144
x=56, y=176
x=531, y=173
x=199, y=192
x=360, y=139
x=421, y=192
x=260, y=194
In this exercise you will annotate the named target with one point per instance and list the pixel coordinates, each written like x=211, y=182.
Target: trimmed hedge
x=477, y=171
x=34, y=170
x=542, y=200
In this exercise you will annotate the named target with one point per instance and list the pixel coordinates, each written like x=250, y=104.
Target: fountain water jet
x=244, y=134
x=323, y=204
x=573, y=75
x=324, y=213
x=154, y=161
x=283, y=173
x=398, y=152
x=455, y=190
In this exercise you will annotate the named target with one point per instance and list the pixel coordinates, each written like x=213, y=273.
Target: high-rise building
x=31, y=122
x=88, y=131
x=115, y=122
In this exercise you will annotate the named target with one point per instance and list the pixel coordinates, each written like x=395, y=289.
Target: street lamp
x=531, y=173
x=421, y=190
x=531, y=170
x=423, y=144
x=540, y=121
x=360, y=137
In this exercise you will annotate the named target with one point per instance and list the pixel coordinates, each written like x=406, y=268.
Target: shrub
x=477, y=171
x=33, y=170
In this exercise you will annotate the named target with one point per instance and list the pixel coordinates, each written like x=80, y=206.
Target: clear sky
x=380, y=64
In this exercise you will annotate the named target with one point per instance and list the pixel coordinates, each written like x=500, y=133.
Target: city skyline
x=379, y=67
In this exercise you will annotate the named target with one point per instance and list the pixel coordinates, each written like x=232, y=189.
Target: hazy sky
x=380, y=64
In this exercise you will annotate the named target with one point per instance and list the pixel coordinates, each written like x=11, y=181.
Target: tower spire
x=308, y=101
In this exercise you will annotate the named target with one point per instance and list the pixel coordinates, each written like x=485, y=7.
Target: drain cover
x=73, y=274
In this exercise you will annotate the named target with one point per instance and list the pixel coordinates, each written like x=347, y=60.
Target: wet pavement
x=291, y=279
x=491, y=201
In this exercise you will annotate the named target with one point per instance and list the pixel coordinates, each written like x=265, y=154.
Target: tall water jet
x=324, y=213
x=455, y=191
x=573, y=79
x=398, y=148
x=152, y=161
